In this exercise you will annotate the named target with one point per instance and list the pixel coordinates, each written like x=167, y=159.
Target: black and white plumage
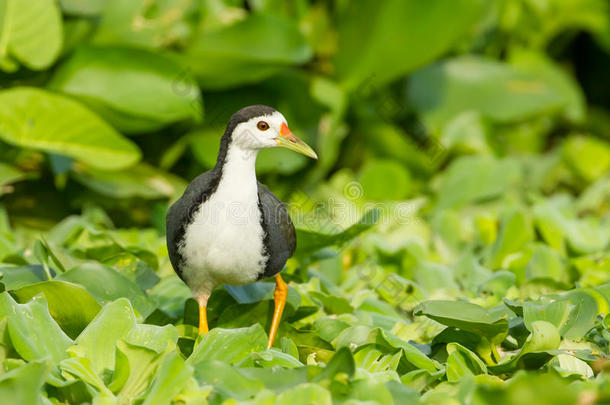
x=228, y=228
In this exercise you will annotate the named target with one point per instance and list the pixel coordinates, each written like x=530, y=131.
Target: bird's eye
x=262, y=125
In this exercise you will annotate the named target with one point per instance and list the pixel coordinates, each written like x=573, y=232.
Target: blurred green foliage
x=453, y=237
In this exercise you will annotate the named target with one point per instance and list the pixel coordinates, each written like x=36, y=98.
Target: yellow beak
x=289, y=141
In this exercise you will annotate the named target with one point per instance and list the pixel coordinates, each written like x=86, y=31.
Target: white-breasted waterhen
x=227, y=228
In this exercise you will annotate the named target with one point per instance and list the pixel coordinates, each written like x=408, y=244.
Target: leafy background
x=453, y=235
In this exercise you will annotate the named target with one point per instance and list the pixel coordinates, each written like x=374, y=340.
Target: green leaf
x=23, y=385
x=33, y=332
x=222, y=58
x=310, y=241
x=170, y=379
x=149, y=24
x=587, y=156
x=9, y=175
x=129, y=82
x=36, y=119
x=98, y=341
x=142, y=363
x=141, y=180
x=72, y=314
x=466, y=316
x=557, y=313
x=515, y=233
x=16, y=277
x=462, y=362
x=546, y=264
x=385, y=180
x=365, y=50
x=229, y=345
x=304, y=394
x=494, y=89
x=106, y=285
x=227, y=380
x=472, y=179
x=32, y=35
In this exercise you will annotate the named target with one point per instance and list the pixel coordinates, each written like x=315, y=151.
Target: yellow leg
x=279, y=297
x=203, y=316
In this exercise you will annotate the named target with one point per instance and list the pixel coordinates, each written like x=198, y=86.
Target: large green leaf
x=464, y=315
x=245, y=52
x=471, y=179
x=106, y=285
x=381, y=41
x=125, y=86
x=229, y=345
x=98, y=341
x=31, y=34
x=33, y=332
x=151, y=24
x=72, y=314
x=141, y=180
x=497, y=90
x=170, y=379
x=310, y=241
x=23, y=384
x=9, y=174
x=36, y=119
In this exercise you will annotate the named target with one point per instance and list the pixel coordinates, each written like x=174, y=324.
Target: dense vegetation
x=453, y=237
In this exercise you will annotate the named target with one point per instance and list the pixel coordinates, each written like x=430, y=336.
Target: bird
x=228, y=228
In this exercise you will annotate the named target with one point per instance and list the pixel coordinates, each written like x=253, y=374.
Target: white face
x=259, y=132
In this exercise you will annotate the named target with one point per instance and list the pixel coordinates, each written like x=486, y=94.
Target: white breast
x=224, y=243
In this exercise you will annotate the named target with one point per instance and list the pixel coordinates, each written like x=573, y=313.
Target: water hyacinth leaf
x=148, y=24
x=106, y=285
x=33, y=332
x=588, y=303
x=229, y=345
x=157, y=338
x=80, y=367
x=98, y=341
x=32, y=35
x=546, y=264
x=22, y=385
x=472, y=179
x=37, y=119
x=142, y=363
x=15, y=277
x=271, y=358
x=538, y=349
x=461, y=362
x=385, y=180
x=497, y=90
x=363, y=49
x=227, y=380
x=72, y=315
x=305, y=394
x=341, y=362
x=588, y=157
x=9, y=175
x=557, y=313
x=310, y=241
x=567, y=365
x=221, y=58
x=466, y=316
x=141, y=180
x=515, y=232
x=170, y=379
x=128, y=83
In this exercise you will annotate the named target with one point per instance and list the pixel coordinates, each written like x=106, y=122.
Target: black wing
x=280, y=237
x=180, y=214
